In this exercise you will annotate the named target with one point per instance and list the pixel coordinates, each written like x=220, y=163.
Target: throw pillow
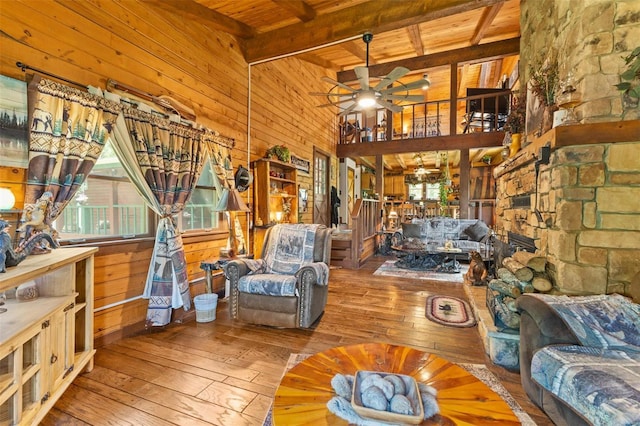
x=477, y=231
x=411, y=230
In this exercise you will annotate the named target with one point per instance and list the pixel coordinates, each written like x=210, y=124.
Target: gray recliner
x=288, y=287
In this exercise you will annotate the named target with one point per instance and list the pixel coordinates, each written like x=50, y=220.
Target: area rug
x=389, y=269
x=449, y=310
x=479, y=370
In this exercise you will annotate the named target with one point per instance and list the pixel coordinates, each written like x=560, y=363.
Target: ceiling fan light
x=366, y=99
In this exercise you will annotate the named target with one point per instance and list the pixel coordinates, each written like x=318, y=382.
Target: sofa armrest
x=540, y=326
x=313, y=273
x=313, y=292
x=236, y=269
x=233, y=271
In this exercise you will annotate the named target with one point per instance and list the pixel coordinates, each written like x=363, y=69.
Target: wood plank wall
x=285, y=114
x=133, y=43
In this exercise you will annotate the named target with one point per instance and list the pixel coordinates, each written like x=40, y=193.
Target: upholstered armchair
x=288, y=287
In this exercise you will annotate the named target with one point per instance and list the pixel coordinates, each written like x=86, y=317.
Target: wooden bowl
x=413, y=394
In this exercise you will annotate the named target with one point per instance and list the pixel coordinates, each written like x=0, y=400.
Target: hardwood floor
x=225, y=373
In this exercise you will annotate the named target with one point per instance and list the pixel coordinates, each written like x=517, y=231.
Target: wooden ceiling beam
x=374, y=16
x=300, y=9
x=401, y=161
x=488, y=15
x=434, y=143
x=416, y=39
x=205, y=16
x=366, y=162
x=358, y=49
x=317, y=60
x=497, y=73
x=488, y=51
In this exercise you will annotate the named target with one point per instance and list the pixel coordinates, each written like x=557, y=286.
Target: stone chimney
x=584, y=206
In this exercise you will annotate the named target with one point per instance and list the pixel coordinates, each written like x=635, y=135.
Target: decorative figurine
x=9, y=257
x=477, y=273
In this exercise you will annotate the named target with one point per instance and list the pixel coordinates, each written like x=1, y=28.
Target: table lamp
x=231, y=202
x=393, y=218
x=7, y=199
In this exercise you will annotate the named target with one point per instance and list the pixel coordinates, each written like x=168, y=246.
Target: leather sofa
x=574, y=382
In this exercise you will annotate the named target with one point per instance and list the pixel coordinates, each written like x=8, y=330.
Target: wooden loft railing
x=485, y=112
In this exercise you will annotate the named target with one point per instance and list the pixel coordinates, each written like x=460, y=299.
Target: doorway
x=321, y=190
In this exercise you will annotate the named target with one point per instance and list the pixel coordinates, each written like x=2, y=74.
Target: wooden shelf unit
x=274, y=182
x=46, y=342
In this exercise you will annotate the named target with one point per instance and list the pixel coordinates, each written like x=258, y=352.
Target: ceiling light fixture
x=427, y=83
x=366, y=99
x=421, y=171
x=383, y=93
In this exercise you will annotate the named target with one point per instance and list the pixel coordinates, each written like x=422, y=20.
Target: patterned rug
x=449, y=310
x=479, y=370
x=389, y=269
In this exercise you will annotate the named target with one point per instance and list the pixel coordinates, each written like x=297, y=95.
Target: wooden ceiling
x=328, y=33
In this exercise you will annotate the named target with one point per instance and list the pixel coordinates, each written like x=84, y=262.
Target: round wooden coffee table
x=305, y=390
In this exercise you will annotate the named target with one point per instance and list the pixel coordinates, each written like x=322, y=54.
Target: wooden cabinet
x=394, y=185
x=275, y=196
x=275, y=192
x=46, y=342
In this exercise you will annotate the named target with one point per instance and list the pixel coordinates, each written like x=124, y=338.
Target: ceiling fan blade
x=348, y=110
x=395, y=74
x=390, y=106
x=407, y=98
x=363, y=77
x=409, y=86
x=331, y=94
x=337, y=83
x=335, y=104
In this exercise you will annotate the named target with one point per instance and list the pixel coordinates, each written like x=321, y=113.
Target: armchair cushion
x=268, y=284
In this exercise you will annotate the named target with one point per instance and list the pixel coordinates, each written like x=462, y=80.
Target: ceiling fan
x=367, y=96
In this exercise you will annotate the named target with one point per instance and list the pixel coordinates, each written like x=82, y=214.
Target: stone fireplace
x=581, y=208
x=584, y=211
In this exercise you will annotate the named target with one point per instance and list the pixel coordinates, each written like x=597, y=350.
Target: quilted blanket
x=602, y=384
x=601, y=379
x=600, y=321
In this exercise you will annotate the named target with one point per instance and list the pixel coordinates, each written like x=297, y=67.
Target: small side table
x=208, y=266
x=217, y=264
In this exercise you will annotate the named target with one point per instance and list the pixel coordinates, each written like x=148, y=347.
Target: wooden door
x=321, y=189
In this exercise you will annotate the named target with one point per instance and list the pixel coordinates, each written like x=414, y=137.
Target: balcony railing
x=484, y=112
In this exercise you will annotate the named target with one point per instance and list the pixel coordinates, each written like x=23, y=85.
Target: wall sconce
x=7, y=199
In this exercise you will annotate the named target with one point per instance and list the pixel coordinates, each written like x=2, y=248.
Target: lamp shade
x=231, y=201
x=7, y=199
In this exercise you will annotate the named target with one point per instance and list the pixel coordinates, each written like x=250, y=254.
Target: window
x=107, y=206
x=424, y=191
x=198, y=214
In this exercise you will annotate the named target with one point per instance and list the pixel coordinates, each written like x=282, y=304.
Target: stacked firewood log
x=523, y=272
